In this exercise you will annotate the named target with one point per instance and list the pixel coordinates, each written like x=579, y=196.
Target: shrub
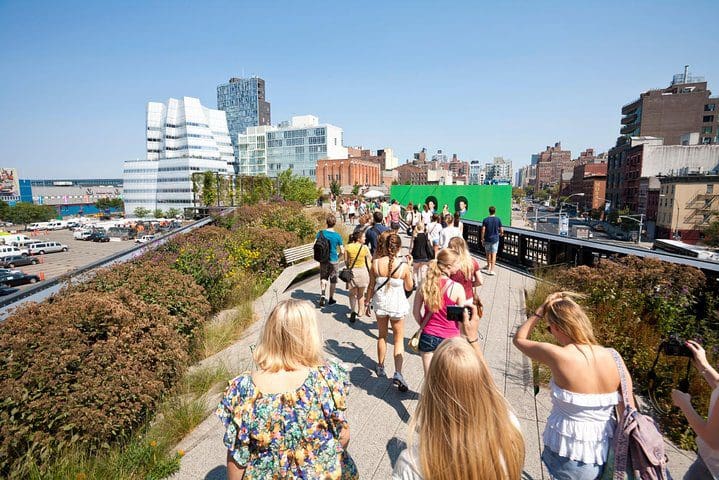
x=82, y=370
x=634, y=305
x=267, y=245
x=158, y=284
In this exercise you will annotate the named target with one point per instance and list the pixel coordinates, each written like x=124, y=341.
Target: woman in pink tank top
x=438, y=292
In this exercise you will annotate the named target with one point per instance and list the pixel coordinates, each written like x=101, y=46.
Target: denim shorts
x=491, y=247
x=429, y=343
x=562, y=468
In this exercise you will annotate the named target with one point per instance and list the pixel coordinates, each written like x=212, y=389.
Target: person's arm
x=542, y=352
x=707, y=430
x=501, y=228
x=477, y=282
x=370, y=290
x=345, y=436
x=417, y=307
x=470, y=327
x=347, y=259
x=408, y=279
x=702, y=364
x=234, y=471
x=481, y=237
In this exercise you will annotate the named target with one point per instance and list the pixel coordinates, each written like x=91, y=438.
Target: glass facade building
x=243, y=100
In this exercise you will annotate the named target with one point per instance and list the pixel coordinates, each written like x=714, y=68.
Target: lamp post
x=641, y=223
x=561, y=204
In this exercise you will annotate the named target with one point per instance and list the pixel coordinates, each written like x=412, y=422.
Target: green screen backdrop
x=478, y=197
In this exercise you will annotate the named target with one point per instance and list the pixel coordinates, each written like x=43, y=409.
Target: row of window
x=159, y=180
x=186, y=124
x=185, y=202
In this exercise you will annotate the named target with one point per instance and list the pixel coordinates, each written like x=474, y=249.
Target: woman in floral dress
x=286, y=420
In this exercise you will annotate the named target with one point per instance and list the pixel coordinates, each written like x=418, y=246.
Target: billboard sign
x=564, y=224
x=9, y=183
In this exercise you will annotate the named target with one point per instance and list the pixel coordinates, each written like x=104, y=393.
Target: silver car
x=42, y=248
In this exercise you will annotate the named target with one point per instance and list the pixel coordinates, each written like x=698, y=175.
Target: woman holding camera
x=462, y=427
x=707, y=462
x=584, y=389
x=437, y=293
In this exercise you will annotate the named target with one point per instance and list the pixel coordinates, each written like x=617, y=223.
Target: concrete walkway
x=377, y=412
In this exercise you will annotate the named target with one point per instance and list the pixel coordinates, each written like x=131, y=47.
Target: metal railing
x=44, y=289
x=530, y=250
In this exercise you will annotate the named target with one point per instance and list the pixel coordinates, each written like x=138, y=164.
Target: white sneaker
x=398, y=381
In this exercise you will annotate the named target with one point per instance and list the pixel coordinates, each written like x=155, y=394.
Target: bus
x=680, y=248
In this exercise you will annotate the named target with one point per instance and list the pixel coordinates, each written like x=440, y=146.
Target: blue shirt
x=373, y=234
x=335, y=240
x=491, y=229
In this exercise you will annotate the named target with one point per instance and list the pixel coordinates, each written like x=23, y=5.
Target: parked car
x=17, y=261
x=47, y=247
x=81, y=234
x=599, y=228
x=10, y=251
x=8, y=291
x=145, y=239
x=16, y=278
x=98, y=237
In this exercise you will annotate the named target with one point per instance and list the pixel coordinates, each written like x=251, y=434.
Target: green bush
x=634, y=305
x=82, y=370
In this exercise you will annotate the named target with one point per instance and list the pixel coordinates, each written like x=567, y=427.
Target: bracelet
x=473, y=341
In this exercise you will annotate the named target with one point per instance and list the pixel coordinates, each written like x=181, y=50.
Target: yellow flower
x=181, y=453
x=153, y=443
x=81, y=476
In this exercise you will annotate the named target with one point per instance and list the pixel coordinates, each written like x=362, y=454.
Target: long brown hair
x=432, y=287
x=393, y=245
x=463, y=421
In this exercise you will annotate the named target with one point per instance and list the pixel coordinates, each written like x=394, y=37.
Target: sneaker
x=398, y=381
x=353, y=317
x=491, y=273
x=323, y=300
x=380, y=371
x=332, y=301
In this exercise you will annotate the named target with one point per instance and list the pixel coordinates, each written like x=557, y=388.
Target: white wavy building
x=183, y=138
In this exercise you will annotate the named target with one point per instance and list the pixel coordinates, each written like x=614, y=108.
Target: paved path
x=377, y=412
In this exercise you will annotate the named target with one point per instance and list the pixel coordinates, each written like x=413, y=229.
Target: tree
x=196, y=179
x=23, y=213
x=541, y=195
x=711, y=234
x=158, y=213
x=518, y=193
x=173, y=212
x=4, y=210
x=141, y=212
x=355, y=189
x=256, y=189
x=107, y=203
x=209, y=191
x=335, y=188
x=297, y=189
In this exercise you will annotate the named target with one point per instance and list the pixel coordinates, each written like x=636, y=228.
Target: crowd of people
x=287, y=418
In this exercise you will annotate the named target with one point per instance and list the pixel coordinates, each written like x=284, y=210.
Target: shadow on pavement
x=361, y=376
x=217, y=473
x=395, y=446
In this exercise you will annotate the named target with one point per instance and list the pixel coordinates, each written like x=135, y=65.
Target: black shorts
x=328, y=271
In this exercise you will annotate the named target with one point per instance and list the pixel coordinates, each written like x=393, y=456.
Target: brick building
x=348, y=172
x=591, y=180
x=550, y=164
x=411, y=174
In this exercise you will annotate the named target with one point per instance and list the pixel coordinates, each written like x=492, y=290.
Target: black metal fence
x=530, y=250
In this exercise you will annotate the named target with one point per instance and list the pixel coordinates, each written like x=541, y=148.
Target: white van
x=56, y=225
x=47, y=247
x=13, y=238
x=33, y=227
x=8, y=251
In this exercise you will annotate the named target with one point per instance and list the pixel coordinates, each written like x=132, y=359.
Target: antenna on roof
x=686, y=73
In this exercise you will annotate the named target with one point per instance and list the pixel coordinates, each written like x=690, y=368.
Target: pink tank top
x=438, y=325
x=394, y=215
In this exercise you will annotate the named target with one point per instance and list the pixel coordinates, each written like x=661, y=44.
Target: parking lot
x=80, y=253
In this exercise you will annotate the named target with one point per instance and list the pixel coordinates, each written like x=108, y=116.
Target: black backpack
x=321, y=248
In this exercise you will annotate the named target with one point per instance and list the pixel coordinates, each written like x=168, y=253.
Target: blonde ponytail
x=432, y=286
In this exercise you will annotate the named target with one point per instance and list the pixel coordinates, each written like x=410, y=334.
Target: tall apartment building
x=550, y=163
x=499, y=170
x=183, y=138
x=685, y=106
x=296, y=145
x=243, y=99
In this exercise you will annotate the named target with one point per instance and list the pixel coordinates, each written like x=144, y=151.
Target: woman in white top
x=584, y=389
x=450, y=231
x=390, y=276
x=434, y=229
x=707, y=462
x=462, y=427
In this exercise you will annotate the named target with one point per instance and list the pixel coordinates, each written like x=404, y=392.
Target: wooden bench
x=295, y=254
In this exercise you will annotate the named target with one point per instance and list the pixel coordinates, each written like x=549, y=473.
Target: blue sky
x=479, y=80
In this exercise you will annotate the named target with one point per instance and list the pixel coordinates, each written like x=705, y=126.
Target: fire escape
x=702, y=209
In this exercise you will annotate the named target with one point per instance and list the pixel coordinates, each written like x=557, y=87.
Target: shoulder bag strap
x=356, y=257
x=621, y=442
x=385, y=282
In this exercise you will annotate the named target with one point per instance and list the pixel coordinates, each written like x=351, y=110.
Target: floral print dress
x=291, y=435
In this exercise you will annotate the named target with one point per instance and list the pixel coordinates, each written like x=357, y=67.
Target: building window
x=710, y=108
x=708, y=118
x=707, y=130
x=706, y=140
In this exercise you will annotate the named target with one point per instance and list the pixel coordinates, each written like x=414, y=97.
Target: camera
x=675, y=346
x=455, y=313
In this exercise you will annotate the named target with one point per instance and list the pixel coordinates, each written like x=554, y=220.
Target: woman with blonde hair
x=390, y=276
x=295, y=386
x=468, y=274
x=438, y=291
x=585, y=388
x=462, y=427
